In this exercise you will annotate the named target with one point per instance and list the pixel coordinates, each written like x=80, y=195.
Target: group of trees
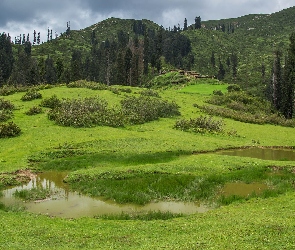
x=282, y=85
x=125, y=60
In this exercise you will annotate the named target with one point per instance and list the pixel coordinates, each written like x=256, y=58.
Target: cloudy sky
x=23, y=16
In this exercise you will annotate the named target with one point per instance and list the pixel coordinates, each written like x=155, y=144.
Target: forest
x=138, y=50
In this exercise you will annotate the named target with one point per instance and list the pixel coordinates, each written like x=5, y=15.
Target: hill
x=237, y=50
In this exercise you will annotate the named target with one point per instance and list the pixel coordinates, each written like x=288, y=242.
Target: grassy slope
x=263, y=224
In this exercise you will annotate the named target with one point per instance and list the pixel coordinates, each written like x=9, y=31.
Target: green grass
x=150, y=157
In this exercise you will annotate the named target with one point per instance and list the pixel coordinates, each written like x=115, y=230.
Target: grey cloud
x=26, y=15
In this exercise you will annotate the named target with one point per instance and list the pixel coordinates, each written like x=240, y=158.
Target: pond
x=67, y=204
x=277, y=154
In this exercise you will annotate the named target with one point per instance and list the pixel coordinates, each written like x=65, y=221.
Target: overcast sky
x=23, y=16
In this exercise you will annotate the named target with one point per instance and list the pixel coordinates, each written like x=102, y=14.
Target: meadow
x=145, y=162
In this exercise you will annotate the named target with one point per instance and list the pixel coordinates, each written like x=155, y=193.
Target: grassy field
x=149, y=155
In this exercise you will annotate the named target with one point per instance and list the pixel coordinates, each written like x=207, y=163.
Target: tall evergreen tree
x=276, y=81
x=50, y=71
x=128, y=65
x=6, y=56
x=146, y=56
x=198, y=22
x=288, y=86
x=76, y=65
x=185, y=25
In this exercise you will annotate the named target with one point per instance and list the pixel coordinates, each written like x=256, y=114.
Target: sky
x=24, y=16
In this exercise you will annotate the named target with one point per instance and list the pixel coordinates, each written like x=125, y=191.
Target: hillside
x=237, y=50
x=254, y=40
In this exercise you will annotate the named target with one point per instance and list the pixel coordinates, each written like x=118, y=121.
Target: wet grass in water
x=33, y=194
x=151, y=215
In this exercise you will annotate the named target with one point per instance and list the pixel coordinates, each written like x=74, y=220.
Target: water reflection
x=276, y=154
x=67, y=204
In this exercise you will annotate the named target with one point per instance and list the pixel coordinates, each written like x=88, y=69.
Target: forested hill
x=119, y=51
x=252, y=38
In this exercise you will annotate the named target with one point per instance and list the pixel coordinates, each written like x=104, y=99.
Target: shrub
x=86, y=84
x=31, y=95
x=6, y=108
x=5, y=115
x=217, y=92
x=201, y=124
x=7, y=90
x=9, y=130
x=34, y=110
x=6, y=105
x=233, y=87
x=86, y=112
x=149, y=92
x=52, y=102
x=144, y=109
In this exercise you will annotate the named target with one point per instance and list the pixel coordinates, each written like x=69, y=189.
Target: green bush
x=86, y=84
x=9, y=130
x=149, y=92
x=52, y=102
x=5, y=115
x=258, y=118
x=201, y=124
x=31, y=95
x=34, y=110
x=233, y=87
x=6, y=105
x=86, y=112
x=144, y=109
x=6, y=108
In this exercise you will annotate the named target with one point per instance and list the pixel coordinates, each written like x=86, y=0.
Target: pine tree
x=234, y=63
x=6, y=56
x=146, y=54
x=185, y=25
x=221, y=71
x=288, y=85
x=76, y=65
x=50, y=71
x=276, y=81
x=198, y=22
x=128, y=64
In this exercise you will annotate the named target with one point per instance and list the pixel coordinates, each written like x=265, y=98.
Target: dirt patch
x=26, y=174
x=16, y=178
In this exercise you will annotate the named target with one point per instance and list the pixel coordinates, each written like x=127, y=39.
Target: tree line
x=126, y=60
x=282, y=85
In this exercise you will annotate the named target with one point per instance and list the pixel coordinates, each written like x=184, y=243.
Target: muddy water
x=67, y=204
x=243, y=189
x=262, y=153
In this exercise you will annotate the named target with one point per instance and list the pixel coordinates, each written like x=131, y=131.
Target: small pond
x=67, y=204
x=276, y=154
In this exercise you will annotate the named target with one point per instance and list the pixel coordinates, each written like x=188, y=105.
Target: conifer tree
x=185, y=25
x=6, y=57
x=288, y=84
x=276, y=81
x=198, y=22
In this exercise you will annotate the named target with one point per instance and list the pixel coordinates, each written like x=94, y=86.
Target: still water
x=276, y=154
x=67, y=204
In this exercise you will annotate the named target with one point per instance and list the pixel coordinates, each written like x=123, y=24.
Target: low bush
x=9, y=130
x=52, y=102
x=261, y=118
x=86, y=84
x=31, y=95
x=34, y=110
x=6, y=105
x=201, y=124
x=86, y=112
x=143, y=109
x=5, y=115
x=149, y=92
